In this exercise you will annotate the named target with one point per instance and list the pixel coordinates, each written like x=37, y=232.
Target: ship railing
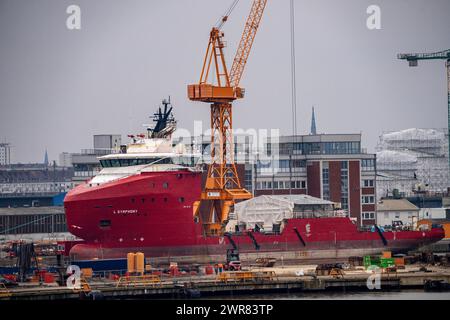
x=370, y=228
x=99, y=152
x=133, y=281
x=246, y=276
x=107, y=274
x=318, y=214
x=4, y=291
x=32, y=194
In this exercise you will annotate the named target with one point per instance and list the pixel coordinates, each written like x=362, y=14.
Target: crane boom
x=425, y=56
x=246, y=43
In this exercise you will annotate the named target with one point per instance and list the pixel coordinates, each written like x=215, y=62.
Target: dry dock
x=267, y=280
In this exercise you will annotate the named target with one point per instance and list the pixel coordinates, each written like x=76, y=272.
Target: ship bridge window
x=113, y=163
x=187, y=161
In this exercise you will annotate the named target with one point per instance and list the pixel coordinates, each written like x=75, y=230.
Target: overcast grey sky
x=59, y=87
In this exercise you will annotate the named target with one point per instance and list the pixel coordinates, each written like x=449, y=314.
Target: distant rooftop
x=300, y=199
x=396, y=205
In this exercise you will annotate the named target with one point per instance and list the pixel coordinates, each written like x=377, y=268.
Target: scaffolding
x=412, y=161
x=425, y=141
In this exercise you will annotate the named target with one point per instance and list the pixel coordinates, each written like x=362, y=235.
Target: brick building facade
x=332, y=167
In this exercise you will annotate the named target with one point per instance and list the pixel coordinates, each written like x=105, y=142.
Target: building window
x=269, y=149
x=283, y=165
x=298, y=164
x=248, y=180
x=181, y=200
x=325, y=181
x=298, y=148
x=368, y=183
x=341, y=147
x=368, y=199
x=368, y=164
x=368, y=215
x=165, y=185
x=264, y=166
x=344, y=185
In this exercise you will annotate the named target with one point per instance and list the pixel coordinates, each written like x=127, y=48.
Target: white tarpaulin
x=267, y=210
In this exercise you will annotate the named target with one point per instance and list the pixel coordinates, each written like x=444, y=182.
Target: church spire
x=46, y=158
x=313, y=123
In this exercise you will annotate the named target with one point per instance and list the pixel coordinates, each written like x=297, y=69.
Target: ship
x=142, y=201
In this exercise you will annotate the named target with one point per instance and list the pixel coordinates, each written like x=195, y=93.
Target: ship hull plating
x=152, y=212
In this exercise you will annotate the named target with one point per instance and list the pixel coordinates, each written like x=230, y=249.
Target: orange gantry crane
x=222, y=186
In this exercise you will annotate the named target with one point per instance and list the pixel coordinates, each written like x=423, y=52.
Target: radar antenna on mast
x=165, y=121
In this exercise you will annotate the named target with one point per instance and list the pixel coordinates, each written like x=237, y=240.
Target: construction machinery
x=222, y=186
x=232, y=254
x=25, y=254
x=413, y=60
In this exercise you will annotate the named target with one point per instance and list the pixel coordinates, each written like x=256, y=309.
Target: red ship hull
x=152, y=212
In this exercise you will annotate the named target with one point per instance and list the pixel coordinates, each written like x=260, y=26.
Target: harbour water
x=347, y=295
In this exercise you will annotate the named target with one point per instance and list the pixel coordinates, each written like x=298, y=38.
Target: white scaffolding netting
x=269, y=210
x=264, y=211
x=412, y=160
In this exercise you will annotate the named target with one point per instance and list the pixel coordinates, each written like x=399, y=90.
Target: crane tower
x=413, y=59
x=222, y=186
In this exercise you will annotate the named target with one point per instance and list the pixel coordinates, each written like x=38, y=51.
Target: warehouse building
x=33, y=223
x=391, y=212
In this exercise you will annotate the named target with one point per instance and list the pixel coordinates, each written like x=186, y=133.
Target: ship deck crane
x=413, y=59
x=222, y=186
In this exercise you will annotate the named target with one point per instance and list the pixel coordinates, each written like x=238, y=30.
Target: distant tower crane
x=222, y=183
x=413, y=59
